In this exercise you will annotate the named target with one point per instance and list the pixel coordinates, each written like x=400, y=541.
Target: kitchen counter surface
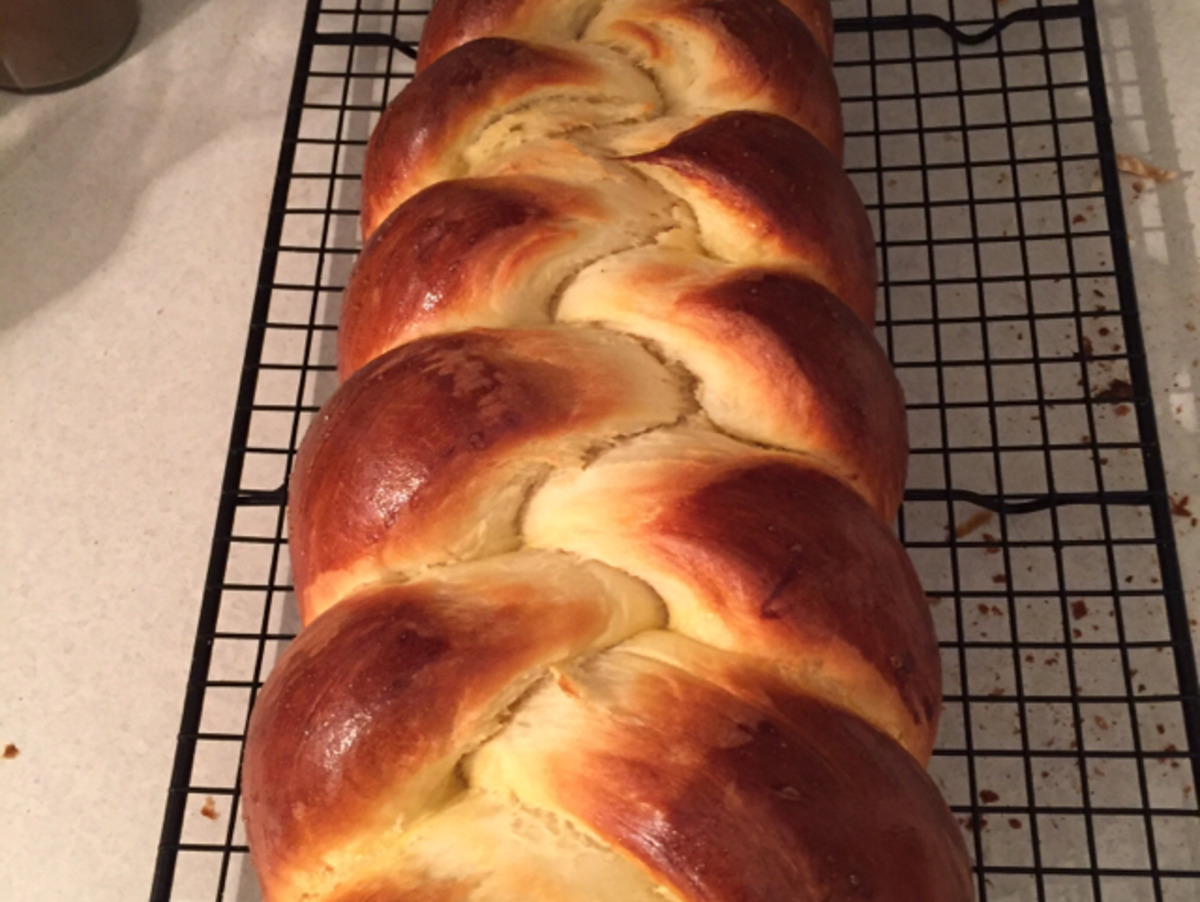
x=132, y=212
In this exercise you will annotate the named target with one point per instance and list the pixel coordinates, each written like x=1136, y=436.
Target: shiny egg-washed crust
x=454, y=22
x=591, y=545
x=755, y=553
x=765, y=193
x=422, y=139
x=493, y=251
x=778, y=359
x=429, y=453
x=485, y=252
x=376, y=704
x=497, y=93
x=720, y=799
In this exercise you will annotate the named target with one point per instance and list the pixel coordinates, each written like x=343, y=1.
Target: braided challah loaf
x=591, y=545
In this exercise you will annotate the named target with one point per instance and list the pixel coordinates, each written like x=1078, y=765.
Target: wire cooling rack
x=978, y=134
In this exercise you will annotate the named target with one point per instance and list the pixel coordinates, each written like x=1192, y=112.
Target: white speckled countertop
x=132, y=212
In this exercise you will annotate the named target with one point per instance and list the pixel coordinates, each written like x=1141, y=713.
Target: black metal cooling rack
x=978, y=133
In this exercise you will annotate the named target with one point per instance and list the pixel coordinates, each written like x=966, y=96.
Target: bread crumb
x=972, y=823
x=1117, y=390
x=972, y=523
x=11, y=751
x=209, y=809
x=1131, y=165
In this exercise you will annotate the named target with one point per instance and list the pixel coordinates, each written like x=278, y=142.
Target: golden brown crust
x=436, y=110
x=371, y=708
x=774, y=547
x=779, y=359
x=492, y=849
x=709, y=56
x=763, y=555
x=845, y=402
x=441, y=248
x=723, y=800
x=767, y=193
x=818, y=17
x=427, y=453
x=452, y=23
x=420, y=137
x=591, y=544
x=381, y=889
x=481, y=253
x=345, y=718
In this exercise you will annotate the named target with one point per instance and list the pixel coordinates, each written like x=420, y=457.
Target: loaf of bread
x=592, y=545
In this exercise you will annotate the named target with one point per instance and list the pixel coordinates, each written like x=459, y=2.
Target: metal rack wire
x=1037, y=515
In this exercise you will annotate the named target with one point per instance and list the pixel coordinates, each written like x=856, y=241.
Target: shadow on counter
x=73, y=164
